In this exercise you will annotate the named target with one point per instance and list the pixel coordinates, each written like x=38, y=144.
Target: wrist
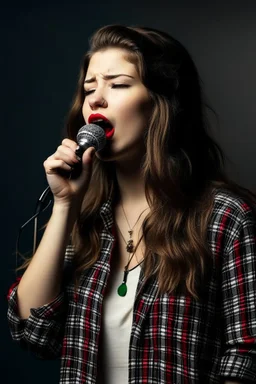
x=66, y=210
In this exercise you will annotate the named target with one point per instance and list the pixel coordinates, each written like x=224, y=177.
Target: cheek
x=137, y=111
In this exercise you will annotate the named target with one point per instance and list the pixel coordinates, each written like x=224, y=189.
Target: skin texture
x=123, y=100
x=126, y=103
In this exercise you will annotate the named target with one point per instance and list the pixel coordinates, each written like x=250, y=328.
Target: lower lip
x=109, y=133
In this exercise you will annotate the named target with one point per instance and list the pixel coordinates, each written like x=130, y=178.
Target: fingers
x=68, y=175
x=69, y=143
x=66, y=152
x=88, y=155
x=53, y=166
x=65, y=158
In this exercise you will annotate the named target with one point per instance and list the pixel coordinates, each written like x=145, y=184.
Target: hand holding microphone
x=68, y=170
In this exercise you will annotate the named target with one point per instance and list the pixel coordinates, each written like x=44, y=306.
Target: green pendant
x=122, y=289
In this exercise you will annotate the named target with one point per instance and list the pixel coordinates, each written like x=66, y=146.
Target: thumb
x=88, y=155
x=86, y=163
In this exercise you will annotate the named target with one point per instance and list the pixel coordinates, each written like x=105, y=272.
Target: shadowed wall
x=41, y=49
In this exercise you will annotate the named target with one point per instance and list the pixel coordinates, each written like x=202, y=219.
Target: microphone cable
x=40, y=207
x=87, y=136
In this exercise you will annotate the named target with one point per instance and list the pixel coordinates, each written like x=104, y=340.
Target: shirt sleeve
x=238, y=362
x=42, y=332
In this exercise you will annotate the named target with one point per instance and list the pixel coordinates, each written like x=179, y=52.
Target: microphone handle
x=80, y=150
x=83, y=145
x=77, y=169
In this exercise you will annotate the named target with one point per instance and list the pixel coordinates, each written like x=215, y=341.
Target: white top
x=116, y=328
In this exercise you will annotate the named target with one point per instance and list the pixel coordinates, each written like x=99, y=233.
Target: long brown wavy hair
x=183, y=166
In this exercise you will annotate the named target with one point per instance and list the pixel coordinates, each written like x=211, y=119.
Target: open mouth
x=104, y=124
x=109, y=130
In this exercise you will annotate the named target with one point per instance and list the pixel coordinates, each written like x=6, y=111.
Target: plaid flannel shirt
x=174, y=338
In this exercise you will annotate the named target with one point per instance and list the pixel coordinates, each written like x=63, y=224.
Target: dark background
x=41, y=49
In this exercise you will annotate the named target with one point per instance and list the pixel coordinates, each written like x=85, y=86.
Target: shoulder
x=230, y=205
x=231, y=216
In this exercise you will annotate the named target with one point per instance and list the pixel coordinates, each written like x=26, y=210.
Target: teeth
x=98, y=120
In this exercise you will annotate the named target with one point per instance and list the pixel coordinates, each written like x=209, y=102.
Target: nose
x=96, y=100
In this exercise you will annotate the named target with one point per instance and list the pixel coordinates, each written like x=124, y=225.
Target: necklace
x=129, y=243
x=122, y=289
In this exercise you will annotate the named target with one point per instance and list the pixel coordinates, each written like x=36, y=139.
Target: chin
x=105, y=154
x=122, y=153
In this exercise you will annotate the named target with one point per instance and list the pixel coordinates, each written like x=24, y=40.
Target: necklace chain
x=131, y=229
x=129, y=243
x=122, y=289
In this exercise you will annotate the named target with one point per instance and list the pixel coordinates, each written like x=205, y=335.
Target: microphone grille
x=93, y=135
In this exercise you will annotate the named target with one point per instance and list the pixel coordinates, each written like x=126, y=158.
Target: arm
x=239, y=299
x=42, y=280
x=231, y=382
x=37, y=306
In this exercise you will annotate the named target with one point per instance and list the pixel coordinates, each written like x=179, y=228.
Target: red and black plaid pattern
x=174, y=338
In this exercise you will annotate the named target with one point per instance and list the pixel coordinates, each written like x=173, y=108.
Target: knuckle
x=46, y=162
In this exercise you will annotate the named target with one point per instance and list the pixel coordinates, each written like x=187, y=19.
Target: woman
x=157, y=284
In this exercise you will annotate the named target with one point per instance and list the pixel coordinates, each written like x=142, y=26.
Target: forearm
x=232, y=382
x=41, y=281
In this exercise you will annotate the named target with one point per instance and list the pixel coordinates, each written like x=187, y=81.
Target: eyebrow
x=107, y=77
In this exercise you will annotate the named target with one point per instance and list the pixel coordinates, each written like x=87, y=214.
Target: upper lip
x=96, y=116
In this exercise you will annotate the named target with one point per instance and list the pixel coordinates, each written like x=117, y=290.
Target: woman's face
x=114, y=90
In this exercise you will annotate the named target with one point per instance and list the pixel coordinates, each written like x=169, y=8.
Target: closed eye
x=120, y=85
x=86, y=93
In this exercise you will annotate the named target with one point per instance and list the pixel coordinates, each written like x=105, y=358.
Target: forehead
x=111, y=61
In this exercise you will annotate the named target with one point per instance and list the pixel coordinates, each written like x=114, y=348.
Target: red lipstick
x=103, y=122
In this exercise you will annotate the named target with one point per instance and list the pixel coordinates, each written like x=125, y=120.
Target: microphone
x=90, y=135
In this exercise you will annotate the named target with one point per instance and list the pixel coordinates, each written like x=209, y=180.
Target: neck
x=131, y=184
